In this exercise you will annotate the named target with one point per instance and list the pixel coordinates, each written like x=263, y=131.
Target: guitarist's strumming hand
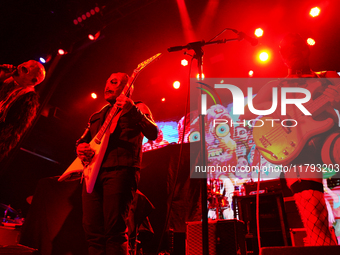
x=85, y=153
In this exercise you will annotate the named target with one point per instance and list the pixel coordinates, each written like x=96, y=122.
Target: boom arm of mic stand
x=193, y=45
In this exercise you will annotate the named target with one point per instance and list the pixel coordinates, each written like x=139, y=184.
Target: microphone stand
x=197, y=47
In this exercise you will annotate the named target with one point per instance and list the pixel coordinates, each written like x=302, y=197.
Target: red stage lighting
x=184, y=62
x=198, y=76
x=94, y=95
x=61, y=52
x=251, y=73
x=314, y=12
x=176, y=84
x=310, y=41
x=163, y=99
x=258, y=32
x=264, y=56
x=94, y=37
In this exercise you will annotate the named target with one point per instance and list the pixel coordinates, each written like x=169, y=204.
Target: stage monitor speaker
x=226, y=237
x=310, y=250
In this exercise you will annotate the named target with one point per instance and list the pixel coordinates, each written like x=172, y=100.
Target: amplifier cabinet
x=226, y=237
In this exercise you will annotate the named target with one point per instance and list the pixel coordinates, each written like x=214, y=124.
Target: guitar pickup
x=264, y=141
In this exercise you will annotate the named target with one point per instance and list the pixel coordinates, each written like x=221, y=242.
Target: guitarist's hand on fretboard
x=123, y=101
x=333, y=93
x=85, y=153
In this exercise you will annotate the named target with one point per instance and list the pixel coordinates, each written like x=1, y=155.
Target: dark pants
x=105, y=210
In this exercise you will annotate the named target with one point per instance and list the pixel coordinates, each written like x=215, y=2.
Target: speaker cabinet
x=226, y=237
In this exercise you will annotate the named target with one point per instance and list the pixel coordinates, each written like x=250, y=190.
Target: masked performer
x=18, y=101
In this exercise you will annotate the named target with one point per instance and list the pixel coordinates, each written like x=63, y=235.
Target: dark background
x=132, y=31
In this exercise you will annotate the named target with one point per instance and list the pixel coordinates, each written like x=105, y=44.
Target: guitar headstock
x=147, y=62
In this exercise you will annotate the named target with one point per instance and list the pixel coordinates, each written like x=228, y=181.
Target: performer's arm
x=146, y=122
x=333, y=91
x=6, y=71
x=141, y=114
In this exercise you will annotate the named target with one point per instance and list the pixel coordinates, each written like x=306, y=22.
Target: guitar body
x=91, y=171
x=281, y=145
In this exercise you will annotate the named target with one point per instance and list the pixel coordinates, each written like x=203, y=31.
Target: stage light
x=310, y=41
x=94, y=95
x=264, y=56
x=198, y=76
x=75, y=22
x=94, y=37
x=79, y=19
x=61, y=52
x=83, y=17
x=314, y=12
x=251, y=73
x=96, y=9
x=88, y=14
x=176, y=84
x=92, y=12
x=45, y=58
x=184, y=62
x=258, y=32
x=163, y=99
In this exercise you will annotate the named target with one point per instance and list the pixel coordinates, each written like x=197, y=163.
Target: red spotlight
x=61, y=52
x=92, y=12
x=75, y=22
x=314, y=12
x=163, y=99
x=94, y=37
x=258, y=32
x=176, y=84
x=263, y=56
x=311, y=41
x=94, y=95
x=88, y=14
x=184, y=62
x=96, y=9
x=79, y=19
x=198, y=76
x=251, y=73
x=83, y=17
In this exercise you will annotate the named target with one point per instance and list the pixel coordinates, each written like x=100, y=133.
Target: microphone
x=176, y=48
x=253, y=41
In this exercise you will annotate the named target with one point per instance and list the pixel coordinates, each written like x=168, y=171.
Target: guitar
x=281, y=145
x=99, y=143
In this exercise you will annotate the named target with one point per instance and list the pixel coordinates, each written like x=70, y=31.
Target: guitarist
x=105, y=209
x=306, y=186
